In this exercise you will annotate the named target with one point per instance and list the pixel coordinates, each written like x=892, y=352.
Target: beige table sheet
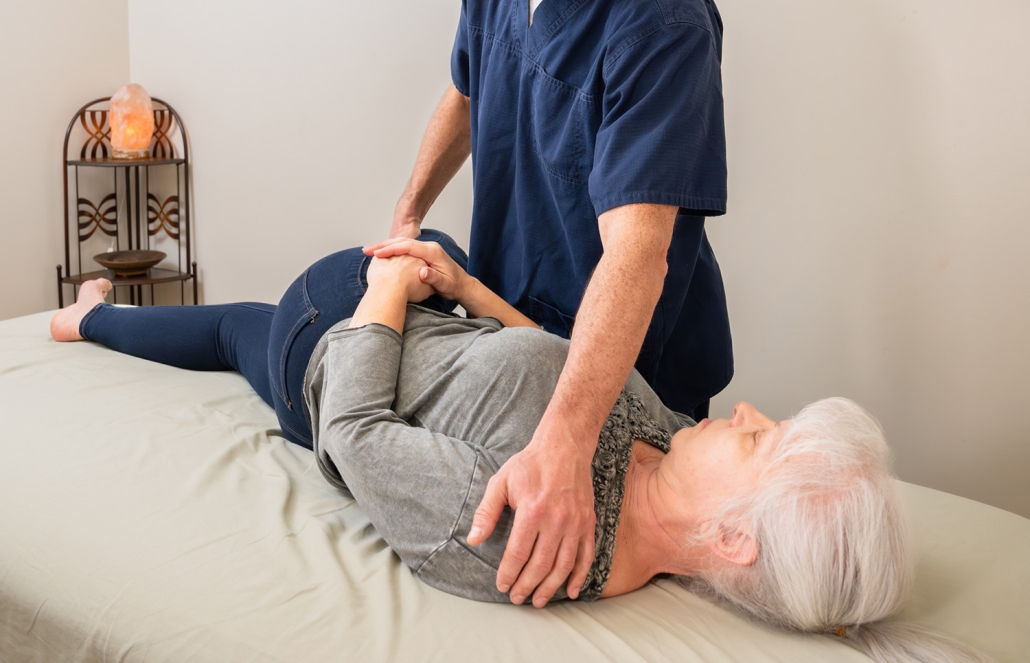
x=153, y=514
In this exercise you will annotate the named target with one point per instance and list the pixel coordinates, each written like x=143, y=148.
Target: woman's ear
x=735, y=544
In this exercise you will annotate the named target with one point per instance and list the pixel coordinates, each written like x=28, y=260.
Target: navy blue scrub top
x=599, y=104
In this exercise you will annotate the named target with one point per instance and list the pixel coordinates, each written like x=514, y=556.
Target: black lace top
x=628, y=421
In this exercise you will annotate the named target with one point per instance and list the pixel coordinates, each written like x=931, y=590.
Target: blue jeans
x=269, y=345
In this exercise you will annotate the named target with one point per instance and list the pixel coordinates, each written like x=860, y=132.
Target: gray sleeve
x=412, y=483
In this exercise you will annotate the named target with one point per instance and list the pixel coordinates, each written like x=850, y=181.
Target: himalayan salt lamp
x=132, y=122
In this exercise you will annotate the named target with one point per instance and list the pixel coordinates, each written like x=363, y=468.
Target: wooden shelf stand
x=135, y=202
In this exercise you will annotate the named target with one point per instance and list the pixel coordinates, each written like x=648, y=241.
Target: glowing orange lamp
x=132, y=122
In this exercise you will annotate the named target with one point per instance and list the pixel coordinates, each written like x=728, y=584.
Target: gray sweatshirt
x=414, y=427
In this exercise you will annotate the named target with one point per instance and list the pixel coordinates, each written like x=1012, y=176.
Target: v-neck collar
x=547, y=20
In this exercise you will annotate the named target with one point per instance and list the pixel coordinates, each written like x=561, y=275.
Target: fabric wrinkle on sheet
x=414, y=426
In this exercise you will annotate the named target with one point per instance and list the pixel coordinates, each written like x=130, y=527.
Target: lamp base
x=130, y=155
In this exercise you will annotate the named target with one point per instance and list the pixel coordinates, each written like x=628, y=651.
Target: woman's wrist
x=387, y=284
x=385, y=302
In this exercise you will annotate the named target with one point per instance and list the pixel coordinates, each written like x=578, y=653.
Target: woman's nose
x=740, y=413
x=746, y=413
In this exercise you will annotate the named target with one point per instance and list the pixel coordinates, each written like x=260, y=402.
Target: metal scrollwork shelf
x=137, y=204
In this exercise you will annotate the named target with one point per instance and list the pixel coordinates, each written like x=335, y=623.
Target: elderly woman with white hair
x=412, y=410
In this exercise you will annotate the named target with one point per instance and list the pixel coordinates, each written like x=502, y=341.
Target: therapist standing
x=598, y=149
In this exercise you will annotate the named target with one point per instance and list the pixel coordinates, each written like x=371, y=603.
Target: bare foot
x=64, y=326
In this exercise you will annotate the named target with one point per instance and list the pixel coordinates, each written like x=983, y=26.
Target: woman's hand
x=439, y=270
x=399, y=272
x=393, y=283
x=450, y=280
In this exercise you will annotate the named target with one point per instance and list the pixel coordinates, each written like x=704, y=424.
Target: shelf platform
x=154, y=275
x=120, y=163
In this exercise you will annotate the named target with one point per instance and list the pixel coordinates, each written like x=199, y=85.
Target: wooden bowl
x=130, y=263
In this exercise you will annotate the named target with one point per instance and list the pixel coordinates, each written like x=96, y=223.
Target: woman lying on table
x=412, y=410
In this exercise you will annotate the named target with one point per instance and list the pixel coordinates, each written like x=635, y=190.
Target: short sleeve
x=662, y=138
x=460, y=55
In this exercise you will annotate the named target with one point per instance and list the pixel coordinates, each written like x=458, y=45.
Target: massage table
x=149, y=513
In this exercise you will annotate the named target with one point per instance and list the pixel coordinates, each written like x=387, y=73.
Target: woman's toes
x=93, y=292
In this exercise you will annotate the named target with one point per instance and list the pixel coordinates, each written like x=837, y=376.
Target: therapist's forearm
x=445, y=146
x=613, y=317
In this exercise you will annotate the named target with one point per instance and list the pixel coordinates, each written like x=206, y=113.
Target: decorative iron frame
x=170, y=214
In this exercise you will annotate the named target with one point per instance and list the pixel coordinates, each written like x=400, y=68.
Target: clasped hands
x=423, y=267
x=548, y=484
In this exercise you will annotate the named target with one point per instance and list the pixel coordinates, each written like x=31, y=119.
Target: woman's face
x=710, y=462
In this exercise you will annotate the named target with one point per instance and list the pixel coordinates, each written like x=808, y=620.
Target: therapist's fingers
x=489, y=510
x=563, y=565
x=527, y=560
x=584, y=560
x=517, y=554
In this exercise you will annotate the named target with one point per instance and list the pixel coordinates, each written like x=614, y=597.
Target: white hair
x=834, y=550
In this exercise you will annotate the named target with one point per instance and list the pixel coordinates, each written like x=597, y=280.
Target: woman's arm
x=444, y=276
x=410, y=481
x=480, y=302
x=392, y=284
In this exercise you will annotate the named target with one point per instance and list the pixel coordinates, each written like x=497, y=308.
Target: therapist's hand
x=549, y=486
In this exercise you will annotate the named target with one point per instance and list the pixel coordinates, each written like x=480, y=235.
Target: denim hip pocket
x=294, y=313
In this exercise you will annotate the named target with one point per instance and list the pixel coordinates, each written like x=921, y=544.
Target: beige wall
x=879, y=200
x=56, y=56
x=304, y=118
x=880, y=220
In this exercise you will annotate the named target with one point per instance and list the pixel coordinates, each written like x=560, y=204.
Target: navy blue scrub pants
x=269, y=345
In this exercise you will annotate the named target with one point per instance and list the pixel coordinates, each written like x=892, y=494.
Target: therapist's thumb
x=489, y=511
